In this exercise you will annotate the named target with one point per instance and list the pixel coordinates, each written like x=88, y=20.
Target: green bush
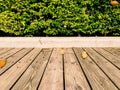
x=59, y=17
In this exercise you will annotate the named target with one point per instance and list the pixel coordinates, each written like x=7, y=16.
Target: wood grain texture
x=114, y=51
x=74, y=77
x=31, y=78
x=9, y=53
x=14, y=58
x=4, y=50
x=1, y=49
x=53, y=78
x=48, y=69
x=9, y=78
x=98, y=80
x=106, y=66
x=113, y=59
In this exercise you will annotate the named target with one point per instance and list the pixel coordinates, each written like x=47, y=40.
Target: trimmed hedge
x=59, y=17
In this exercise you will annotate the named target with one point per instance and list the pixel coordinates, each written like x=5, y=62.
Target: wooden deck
x=47, y=69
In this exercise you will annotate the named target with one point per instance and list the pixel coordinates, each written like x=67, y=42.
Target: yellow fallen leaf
x=114, y=2
x=61, y=51
x=3, y=62
x=84, y=55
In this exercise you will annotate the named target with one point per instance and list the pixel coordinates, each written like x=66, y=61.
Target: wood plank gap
x=112, y=52
x=15, y=52
x=97, y=79
x=8, y=78
x=4, y=50
x=4, y=69
x=83, y=70
x=64, y=84
x=25, y=69
x=32, y=76
x=74, y=77
x=53, y=77
x=106, y=59
x=102, y=70
x=44, y=70
x=10, y=53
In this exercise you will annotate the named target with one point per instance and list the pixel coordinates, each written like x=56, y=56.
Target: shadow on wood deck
x=47, y=69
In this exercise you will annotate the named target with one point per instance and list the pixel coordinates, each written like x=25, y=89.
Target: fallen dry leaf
x=84, y=55
x=61, y=51
x=114, y=2
x=3, y=62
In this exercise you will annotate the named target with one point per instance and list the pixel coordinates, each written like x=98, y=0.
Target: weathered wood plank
x=53, y=77
x=97, y=79
x=1, y=48
x=9, y=78
x=114, y=51
x=31, y=78
x=9, y=53
x=74, y=77
x=110, y=70
x=113, y=59
x=14, y=58
x=4, y=50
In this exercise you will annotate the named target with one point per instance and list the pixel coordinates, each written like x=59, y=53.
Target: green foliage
x=59, y=17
